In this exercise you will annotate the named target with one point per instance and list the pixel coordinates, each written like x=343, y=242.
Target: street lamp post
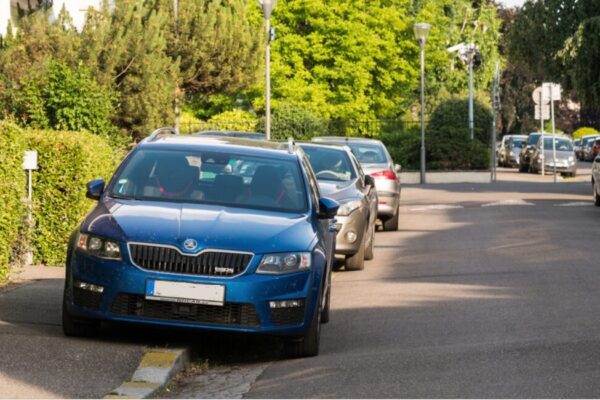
x=267, y=8
x=421, y=33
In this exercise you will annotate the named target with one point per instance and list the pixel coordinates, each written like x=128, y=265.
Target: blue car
x=213, y=233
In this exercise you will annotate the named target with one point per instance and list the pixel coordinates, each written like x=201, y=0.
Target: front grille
x=86, y=298
x=287, y=316
x=231, y=314
x=209, y=263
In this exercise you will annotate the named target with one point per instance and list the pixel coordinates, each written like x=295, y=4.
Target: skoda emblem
x=190, y=244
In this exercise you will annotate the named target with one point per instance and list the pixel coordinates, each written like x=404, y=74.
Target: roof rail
x=164, y=129
x=291, y=145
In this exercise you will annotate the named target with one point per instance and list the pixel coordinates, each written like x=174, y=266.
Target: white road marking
x=575, y=204
x=436, y=207
x=508, y=203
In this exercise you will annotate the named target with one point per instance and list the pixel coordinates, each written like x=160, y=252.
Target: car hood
x=213, y=227
x=338, y=190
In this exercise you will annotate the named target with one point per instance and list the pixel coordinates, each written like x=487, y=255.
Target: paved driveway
x=485, y=291
x=37, y=361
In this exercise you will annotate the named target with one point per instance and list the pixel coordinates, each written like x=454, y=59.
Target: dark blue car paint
x=213, y=227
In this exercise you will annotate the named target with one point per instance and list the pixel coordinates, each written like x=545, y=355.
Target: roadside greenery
x=12, y=191
x=67, y=161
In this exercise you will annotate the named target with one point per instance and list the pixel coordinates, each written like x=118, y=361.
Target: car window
x=210, y=177
x=533, y=139
x=517, y=142
x=331, y=164
x=312, y=182
x=561, y=144
x=368, y=153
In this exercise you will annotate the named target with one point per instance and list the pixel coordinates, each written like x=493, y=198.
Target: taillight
x=385, y=174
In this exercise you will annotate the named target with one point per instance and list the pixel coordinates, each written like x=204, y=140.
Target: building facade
x=76, y=9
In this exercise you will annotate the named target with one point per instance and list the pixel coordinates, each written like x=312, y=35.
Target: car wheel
x=392, y=223
x=369, y=253
x=78, y=326
x=356, y=261
x=523, y=168
x=307, y=345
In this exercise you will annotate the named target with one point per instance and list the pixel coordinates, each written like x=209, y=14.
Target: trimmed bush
x=67, y=161
x=295, y=121
x=448, y=143
x=13, y=183
x=235, y=120
x=583, y=131
x=404, y=147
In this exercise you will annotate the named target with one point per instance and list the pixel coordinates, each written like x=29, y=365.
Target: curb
x=157, y=367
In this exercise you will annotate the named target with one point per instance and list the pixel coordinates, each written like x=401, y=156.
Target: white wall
x=4, y=16
x=75, y=8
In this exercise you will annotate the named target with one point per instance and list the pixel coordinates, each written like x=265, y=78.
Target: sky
x=512, y=3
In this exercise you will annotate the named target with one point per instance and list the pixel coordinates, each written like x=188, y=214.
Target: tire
x=356, y=262
x=392, y=223
x=523, y=167
x=596, y=197
x=369, y=252
x=307, y=345
x=78, y=327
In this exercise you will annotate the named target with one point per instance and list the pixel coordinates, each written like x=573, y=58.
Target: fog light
x=88, y=286
x=351, y=236
x=287, y=303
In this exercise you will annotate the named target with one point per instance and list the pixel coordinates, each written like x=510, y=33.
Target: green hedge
x=13, y=183
x=67, y=161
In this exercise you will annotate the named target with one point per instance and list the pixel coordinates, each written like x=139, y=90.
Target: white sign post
x=553, y=91
x=542, y=112
x=30, y=163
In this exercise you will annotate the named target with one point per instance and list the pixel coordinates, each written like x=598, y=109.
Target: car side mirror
x=369, y=180
x=397, y=168
x=95, y=189
x=328, y=208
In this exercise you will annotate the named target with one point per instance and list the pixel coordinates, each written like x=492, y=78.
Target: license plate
x=184, y=292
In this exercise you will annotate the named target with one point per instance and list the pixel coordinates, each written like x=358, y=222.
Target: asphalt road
x=485, y=291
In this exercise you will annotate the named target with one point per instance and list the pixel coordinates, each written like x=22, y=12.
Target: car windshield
x=517, y=142
x=533, y=138
x=212, y=178
x=368, y=153
x=330, y=164
x=587, y=140
x=561, y=144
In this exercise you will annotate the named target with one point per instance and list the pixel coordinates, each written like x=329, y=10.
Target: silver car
x=509, y=154
x=341, y=178
x=565, y=156
x=377, y=162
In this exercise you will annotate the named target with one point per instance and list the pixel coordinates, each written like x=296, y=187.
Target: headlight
x=99, y=247
x=349, y=207
x=284, y=263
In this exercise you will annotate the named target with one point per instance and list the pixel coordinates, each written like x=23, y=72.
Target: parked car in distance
x=527, y=149
x=584, y=146
x=377, y=162
x=565, y=156
x=341, y=178
x=236, y=134
x=500, y=146
x=229, y=250
x=577, y=147
x=596, y=181
x=595, y=149
x=509, y=155
x=588, y=151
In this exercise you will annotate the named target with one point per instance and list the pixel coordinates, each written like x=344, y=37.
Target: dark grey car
x=341, y=178
x=377, y=162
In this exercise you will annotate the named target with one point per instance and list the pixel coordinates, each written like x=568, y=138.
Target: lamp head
x=267, y=7
x=422, y=31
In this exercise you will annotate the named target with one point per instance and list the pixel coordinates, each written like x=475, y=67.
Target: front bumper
x=246, y=308
x=567, y=167
x=349, y=227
